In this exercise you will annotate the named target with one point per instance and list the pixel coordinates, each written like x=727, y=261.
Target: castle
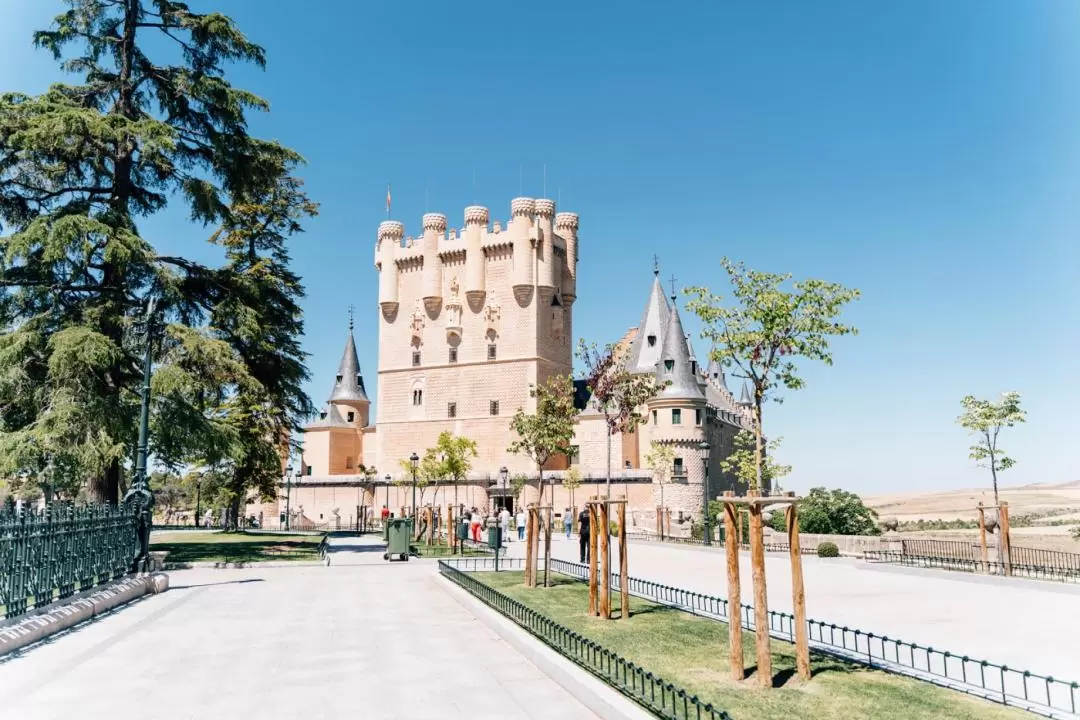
x=468, y=321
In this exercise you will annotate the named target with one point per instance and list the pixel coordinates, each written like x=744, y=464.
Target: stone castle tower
x=468, y=321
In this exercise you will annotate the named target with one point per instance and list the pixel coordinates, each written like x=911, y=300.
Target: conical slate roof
x=746, y=397
x=674, y=366
x=715, y=373
x=349, y=383
x=643, y=357
x=330, y=417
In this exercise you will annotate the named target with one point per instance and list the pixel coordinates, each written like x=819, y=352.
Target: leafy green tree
x=742, y=462
x=544, y=434
x=985, y=419
x=170, y=494
x=456, y=454
x=661, y=460
x=766, y=329
x=618, y=393
x=150, y=121
x=572, y=481
x=518, y=481
x=832, y=512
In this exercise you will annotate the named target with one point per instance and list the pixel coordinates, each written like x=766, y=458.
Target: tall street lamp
x=414, y=460
x=503, y=473
x=140, y=496
x=288, y=495
x=387, y=479
x=703, y=452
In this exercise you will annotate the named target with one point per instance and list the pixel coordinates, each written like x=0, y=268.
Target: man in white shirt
x=504, y=524
x=521, y=524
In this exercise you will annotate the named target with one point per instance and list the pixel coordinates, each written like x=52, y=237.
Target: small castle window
x=676, y=416
x=417, y=397
x=491, y=351
x=493, y=407
x=348, y=462
x=678, y=471
x=653, y=417
x=451, y=410
x=416, y=358
x=453, y=355
x=669, y=365
x=322, y=414
x=652, y=340
x=310, y=469
x=693, y=367
x=351, y=417
x=697, y=417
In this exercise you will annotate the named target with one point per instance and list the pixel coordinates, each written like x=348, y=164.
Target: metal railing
x=718, y=543
x=50, y=554
x=1042, y=694
x=661, y=697
x=993, y=566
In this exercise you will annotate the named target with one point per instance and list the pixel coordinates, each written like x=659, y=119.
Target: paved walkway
x=359, y=639
x=1024, y=624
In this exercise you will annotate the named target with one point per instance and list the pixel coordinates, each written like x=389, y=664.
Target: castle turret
x=647, y=344
x=349, y=388
x=745, y=397
x=547, y=271
x=522, y=210
x=675, y=366
x=390, y=234
x=434, y=227
x=476, y=221
x=566, y=226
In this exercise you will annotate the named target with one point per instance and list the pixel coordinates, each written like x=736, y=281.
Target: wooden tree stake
x=451, y=531
x=982, y=539
x=1006, y=541
x=530, y=548
x=605, y=559
x=761, y=606
x=798, y=594
x=735, y=647
x=594, y=517
x=624, y=585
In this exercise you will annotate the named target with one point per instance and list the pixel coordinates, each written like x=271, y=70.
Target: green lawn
x=442, y=551
x=194, y=546
x=692, y=652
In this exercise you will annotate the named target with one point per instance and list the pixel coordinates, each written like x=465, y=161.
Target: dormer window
x=693, y=367
x=351, y=417
x=322, y=414
x=652, y=340
x=669, y=365
x=338, y=380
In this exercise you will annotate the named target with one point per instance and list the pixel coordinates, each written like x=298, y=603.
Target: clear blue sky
x=925, y=152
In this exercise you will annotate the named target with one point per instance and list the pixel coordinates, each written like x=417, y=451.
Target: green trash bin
x=399, y=537
x=386, y=530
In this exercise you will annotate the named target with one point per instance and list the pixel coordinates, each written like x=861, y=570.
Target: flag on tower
x=387, y=199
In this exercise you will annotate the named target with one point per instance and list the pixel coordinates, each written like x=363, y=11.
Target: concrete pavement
x=360, y=638
x=1025, y=624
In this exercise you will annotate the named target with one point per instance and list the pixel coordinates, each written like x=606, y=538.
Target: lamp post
x=387, y=480
x=288, y=495
x=198, y=499
x=503, y=474
x=703, y=452
x=414, y=460
x=140, y=495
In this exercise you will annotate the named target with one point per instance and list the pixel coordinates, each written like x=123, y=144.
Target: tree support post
x=624, y=564
x=530, y=547
x=984, y=554
x=735, y=645
x=594, y=518
x=798, y=593
x=1006, y=541
x=451, y=529
x=761, y=604
x=605, y=557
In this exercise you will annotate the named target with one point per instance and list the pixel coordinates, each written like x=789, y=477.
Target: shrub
x=613, y=528
x=828, y=550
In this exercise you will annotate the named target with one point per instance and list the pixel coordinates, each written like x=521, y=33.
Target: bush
x=613, y=528
x=827, y=550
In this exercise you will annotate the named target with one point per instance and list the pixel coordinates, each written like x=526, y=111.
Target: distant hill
x=960, y=504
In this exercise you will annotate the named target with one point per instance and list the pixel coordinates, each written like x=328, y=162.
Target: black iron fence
x=778, y=547
x=1027, y=562
x=49, y=554
x=661, y=697
x=1042, y=694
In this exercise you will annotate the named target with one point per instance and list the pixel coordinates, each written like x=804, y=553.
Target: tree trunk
x=547, y=528
x=757, y=441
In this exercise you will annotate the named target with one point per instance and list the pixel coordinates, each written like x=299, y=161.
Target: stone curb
x=600, y=698
x=63, y=617
x=242, y=565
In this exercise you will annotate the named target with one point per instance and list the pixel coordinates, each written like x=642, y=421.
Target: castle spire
x=349, y=383
x=648, y=340
x=674, y=366
x=715, y=371
x=745, y=398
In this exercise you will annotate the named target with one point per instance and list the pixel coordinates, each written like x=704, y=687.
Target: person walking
x=583, y=534
x=476, y=520
x=504, y=524
x=521, y=524
x=568, y=521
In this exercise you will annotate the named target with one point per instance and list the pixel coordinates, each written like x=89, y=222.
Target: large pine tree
x=81, y=167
